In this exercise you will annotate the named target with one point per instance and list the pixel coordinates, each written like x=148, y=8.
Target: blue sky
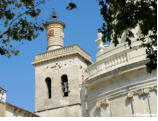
x=17, y=74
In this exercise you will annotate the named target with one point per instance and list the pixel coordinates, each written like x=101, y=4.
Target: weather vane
x=54, y=16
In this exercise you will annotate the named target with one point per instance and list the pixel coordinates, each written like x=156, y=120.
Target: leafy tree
x=18, y=23
x=124, y=15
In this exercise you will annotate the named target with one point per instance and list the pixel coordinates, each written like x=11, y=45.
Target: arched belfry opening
x=48, y=82
x=65, y=85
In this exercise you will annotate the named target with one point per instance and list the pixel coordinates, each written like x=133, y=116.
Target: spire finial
x=54, y=16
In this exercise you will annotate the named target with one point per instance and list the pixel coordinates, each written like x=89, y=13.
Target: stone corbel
x=130, y=95
x=140, y=92
x=104, y=102
x=98, y=104
x=146, y=91
x=154, y=88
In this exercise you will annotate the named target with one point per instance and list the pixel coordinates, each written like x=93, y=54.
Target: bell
x=66, y=90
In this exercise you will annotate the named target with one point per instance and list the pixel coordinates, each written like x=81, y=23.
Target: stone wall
x=2, y=109
x=125, y=93
x=14, y=111
x=74, y=67
x=67, y=111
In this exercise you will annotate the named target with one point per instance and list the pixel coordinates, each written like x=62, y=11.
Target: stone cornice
x=60, y=53
x=54, y=22
x=143, y=88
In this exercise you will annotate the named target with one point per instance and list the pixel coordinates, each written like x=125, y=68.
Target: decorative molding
x=140, y=92
x=104, y=102
x=61, y=52
x=130, y=94
x=93, y=80
x=54, y=22
x=151, y=84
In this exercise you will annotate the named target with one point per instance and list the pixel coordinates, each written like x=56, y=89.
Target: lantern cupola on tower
x=55, y=33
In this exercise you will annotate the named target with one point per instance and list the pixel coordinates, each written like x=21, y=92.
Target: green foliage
x=17, y=18
x=71, y=6
x=123, y=15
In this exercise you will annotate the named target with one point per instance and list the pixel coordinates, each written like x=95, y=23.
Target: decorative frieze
x=140, y=92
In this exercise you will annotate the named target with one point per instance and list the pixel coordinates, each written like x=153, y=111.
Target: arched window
x=48, y=82
x=65, y=86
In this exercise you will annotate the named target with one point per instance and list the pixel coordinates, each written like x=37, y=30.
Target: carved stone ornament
x=106, y=102
x=140, y=92
x=98, y=104
x=154, y=88
x=100, y=35
x=146, y=91
x=100, y=42
x=130, y=94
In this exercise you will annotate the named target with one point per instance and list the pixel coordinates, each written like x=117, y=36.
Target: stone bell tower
x=55, y=34
x=59, y=73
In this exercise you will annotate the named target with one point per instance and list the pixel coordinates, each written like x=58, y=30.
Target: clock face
x=51, y=33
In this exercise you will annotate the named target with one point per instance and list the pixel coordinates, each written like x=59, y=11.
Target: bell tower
x=59, y=73
x=55, y=33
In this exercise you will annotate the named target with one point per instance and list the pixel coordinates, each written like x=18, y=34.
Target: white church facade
x=69, y=84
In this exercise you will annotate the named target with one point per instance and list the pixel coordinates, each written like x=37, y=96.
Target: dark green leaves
x=19, y=24
x=123, y=15
x=71, y=6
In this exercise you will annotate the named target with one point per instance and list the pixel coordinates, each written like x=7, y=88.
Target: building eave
x=21, y=109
